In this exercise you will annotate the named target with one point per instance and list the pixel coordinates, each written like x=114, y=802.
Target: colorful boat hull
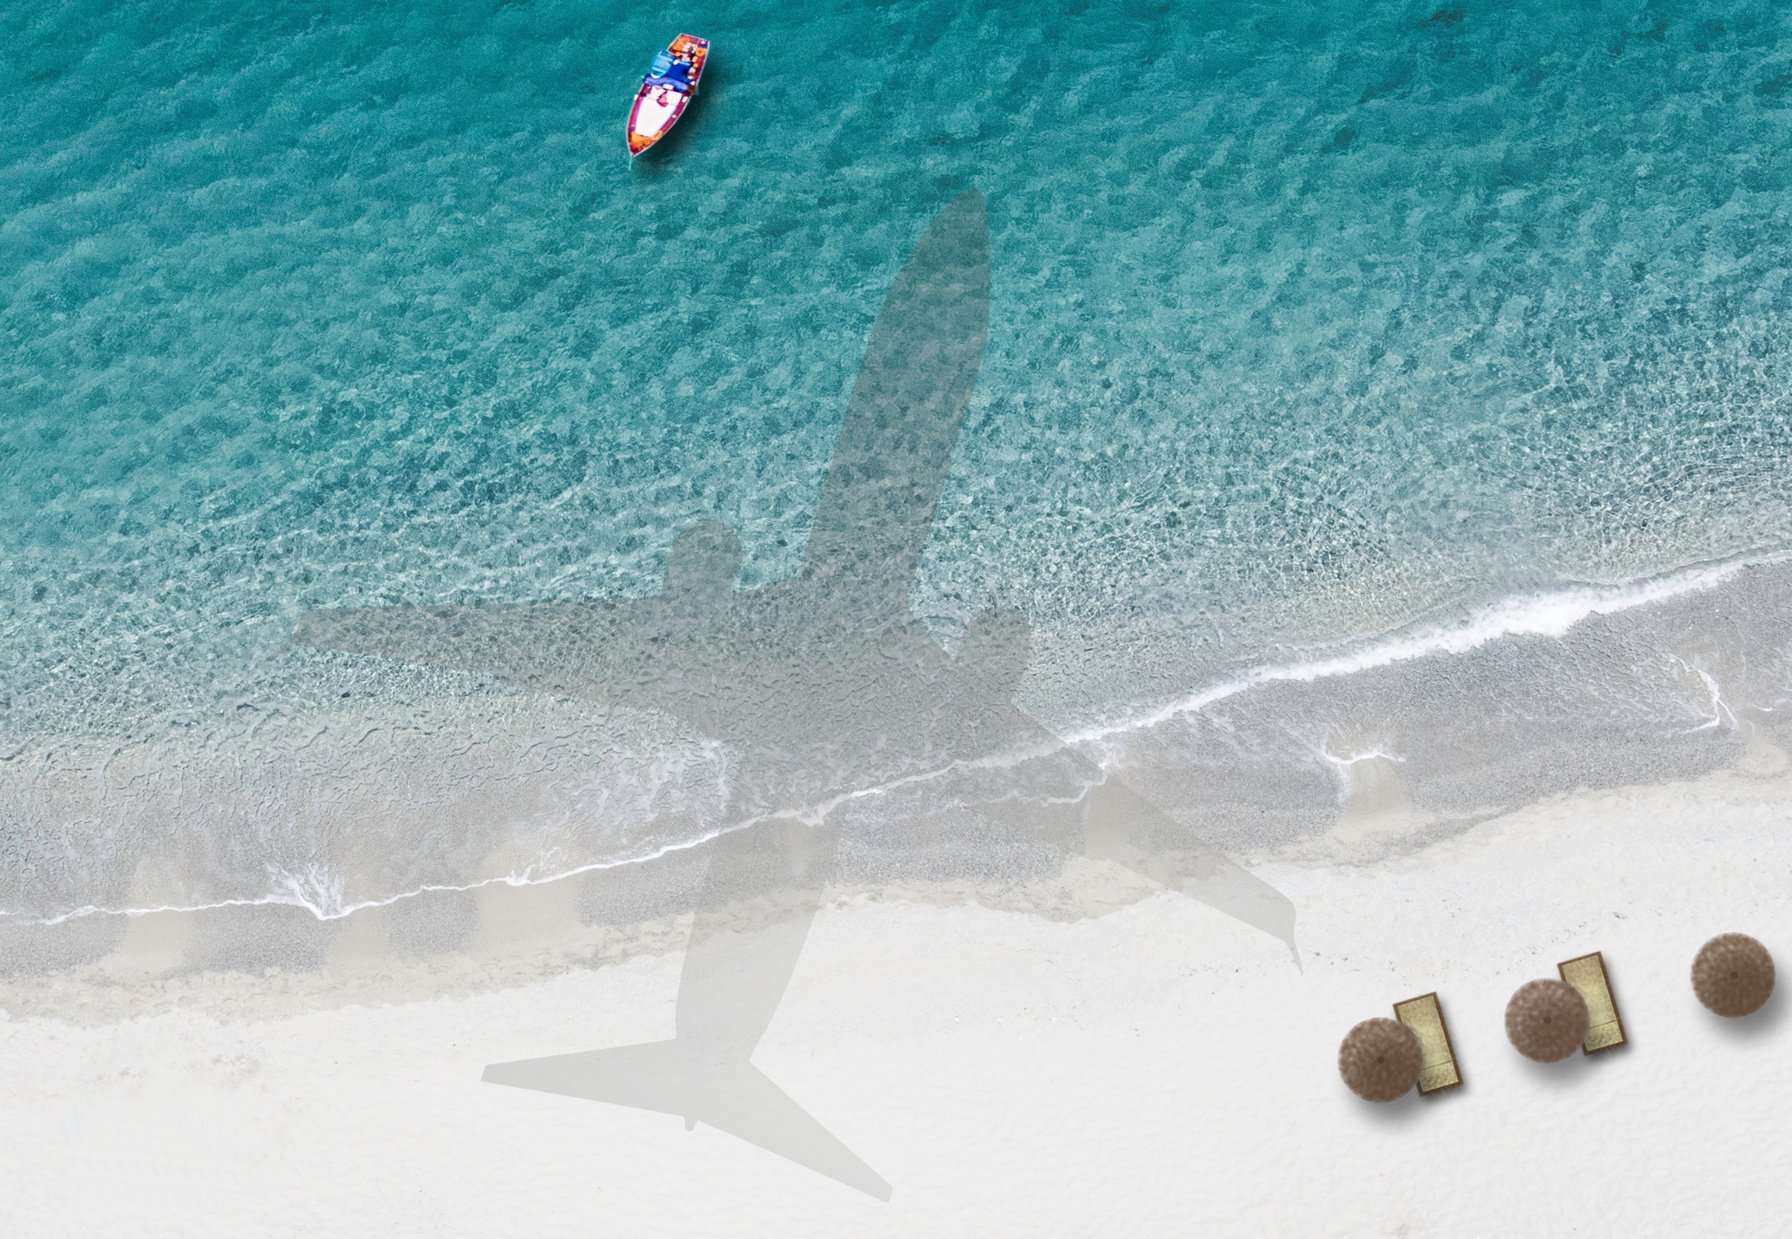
x=666, y=91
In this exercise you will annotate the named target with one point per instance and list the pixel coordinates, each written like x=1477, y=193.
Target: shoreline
x=269, y=961
x=1648, y=689
x=1008, y=1071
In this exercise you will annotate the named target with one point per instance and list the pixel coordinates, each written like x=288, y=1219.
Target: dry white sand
x=1157, y=1070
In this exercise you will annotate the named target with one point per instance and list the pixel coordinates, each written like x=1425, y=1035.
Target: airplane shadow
x=826, y=690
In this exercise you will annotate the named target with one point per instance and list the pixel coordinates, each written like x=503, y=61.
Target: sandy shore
x=1153, y=1070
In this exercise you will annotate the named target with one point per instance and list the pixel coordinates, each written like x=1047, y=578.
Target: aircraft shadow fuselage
x=823, y=687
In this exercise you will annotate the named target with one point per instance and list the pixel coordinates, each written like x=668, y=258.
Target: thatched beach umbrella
x=1733, y=974
x=1380, y=1059
x=1546, y=1020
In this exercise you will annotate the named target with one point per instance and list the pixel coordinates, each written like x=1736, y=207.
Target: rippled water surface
x=1311, y=321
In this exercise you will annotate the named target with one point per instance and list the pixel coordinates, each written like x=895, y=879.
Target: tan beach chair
x=1425, y=1016
x=1605, y=1028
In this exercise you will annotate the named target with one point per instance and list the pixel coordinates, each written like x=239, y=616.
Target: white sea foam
x=1548, y=613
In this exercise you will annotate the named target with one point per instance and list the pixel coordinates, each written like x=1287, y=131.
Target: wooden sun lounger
x=1425, y=1016
x=1605, y=1028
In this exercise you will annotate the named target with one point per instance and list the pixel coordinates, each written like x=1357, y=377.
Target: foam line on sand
x=1151, y=1070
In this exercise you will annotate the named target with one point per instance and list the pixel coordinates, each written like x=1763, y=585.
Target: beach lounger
x=1605, y=1029
x=1425, y=1016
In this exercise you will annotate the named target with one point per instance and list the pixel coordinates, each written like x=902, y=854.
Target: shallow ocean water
x=1310, y=323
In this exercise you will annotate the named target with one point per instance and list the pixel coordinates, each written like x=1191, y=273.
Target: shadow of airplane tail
x=735, y=974
x=676, y=1077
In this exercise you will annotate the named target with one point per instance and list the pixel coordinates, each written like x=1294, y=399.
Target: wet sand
x=1125, y=1063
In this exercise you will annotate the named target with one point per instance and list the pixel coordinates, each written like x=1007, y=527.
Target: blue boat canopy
x=675, y=73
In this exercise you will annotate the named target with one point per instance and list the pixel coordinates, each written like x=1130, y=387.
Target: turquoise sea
x=1362, y=378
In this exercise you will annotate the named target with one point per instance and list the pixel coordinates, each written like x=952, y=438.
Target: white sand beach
x=1153, y=1070
x=951, y=629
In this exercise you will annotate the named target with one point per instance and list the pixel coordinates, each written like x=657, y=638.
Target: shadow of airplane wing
x=896, y=442
x=1115, y=823
x=584, y=649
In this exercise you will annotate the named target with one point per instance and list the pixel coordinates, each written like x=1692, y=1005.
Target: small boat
x=668, y=88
